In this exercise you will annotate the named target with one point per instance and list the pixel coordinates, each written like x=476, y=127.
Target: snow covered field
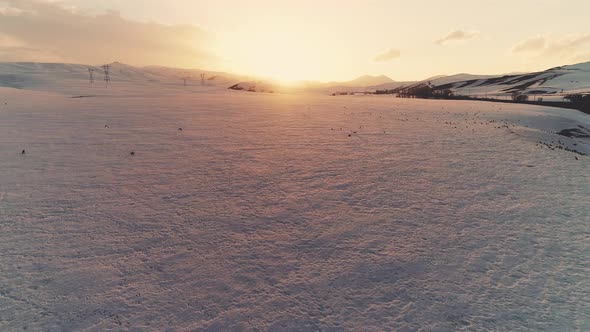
x=287, y=212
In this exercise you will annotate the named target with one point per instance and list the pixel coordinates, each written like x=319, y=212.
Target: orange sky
x=302, y=40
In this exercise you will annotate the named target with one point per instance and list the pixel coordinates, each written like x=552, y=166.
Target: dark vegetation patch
x=580, y=101
x=503, y=80
x=526, y=85
x=522, y=86
x=560, y=146
x=497, y=80
x=236, y=87
x=580, y=132
x=447, y=86
x=543, y=81
x=541, y=92
x=522, y=78
x=467, y=83
x=455, y=85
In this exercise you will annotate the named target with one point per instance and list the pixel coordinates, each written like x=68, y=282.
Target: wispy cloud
x=388, y=55
x=457, y=35
x=530, y=45
x=570, y=47
x=44, y=31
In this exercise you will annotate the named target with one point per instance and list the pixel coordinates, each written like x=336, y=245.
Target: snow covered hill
x=552, y=83
x=555, y=81
x=456, y=78
x=60, y=77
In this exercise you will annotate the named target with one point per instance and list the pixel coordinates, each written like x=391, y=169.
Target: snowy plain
x=289, y=213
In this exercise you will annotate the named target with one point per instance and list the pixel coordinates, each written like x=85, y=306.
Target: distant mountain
x=360, y=84
x=366, y=80
x=363, y=83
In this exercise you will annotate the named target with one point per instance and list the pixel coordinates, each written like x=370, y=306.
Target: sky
x=322, y=40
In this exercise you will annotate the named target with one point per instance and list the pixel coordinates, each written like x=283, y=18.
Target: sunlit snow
x=289, y=212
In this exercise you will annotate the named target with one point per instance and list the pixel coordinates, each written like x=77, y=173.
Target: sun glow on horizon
x=305, y=40
x=285, y=53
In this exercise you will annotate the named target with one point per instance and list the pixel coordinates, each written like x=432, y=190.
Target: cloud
x=530, y=45
x=457, y=35
x=44, y=31
x=389, y=55
x=9, y=11
x=570, y=47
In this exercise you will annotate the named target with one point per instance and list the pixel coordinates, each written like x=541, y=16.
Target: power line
x=107, y=76
x=91, y=75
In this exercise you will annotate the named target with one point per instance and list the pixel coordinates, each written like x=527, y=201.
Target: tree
x=446, y=93
x=517, y=96
x=578, y=98
x=580, y=101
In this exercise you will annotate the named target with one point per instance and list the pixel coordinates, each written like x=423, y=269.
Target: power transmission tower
x=107, y=76
x=91, y=75
x=203, y=79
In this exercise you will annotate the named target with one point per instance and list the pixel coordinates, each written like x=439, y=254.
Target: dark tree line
x=580, y=101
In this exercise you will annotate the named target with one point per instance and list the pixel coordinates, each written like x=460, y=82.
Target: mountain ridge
x=37, y=75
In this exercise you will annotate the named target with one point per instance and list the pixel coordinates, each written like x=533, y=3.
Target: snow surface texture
x=286, y=212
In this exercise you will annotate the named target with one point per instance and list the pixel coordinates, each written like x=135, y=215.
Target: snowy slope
x=558, y=81
x=456, y=78
x=29, y=75
x=275, y=212
x=67, y=77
